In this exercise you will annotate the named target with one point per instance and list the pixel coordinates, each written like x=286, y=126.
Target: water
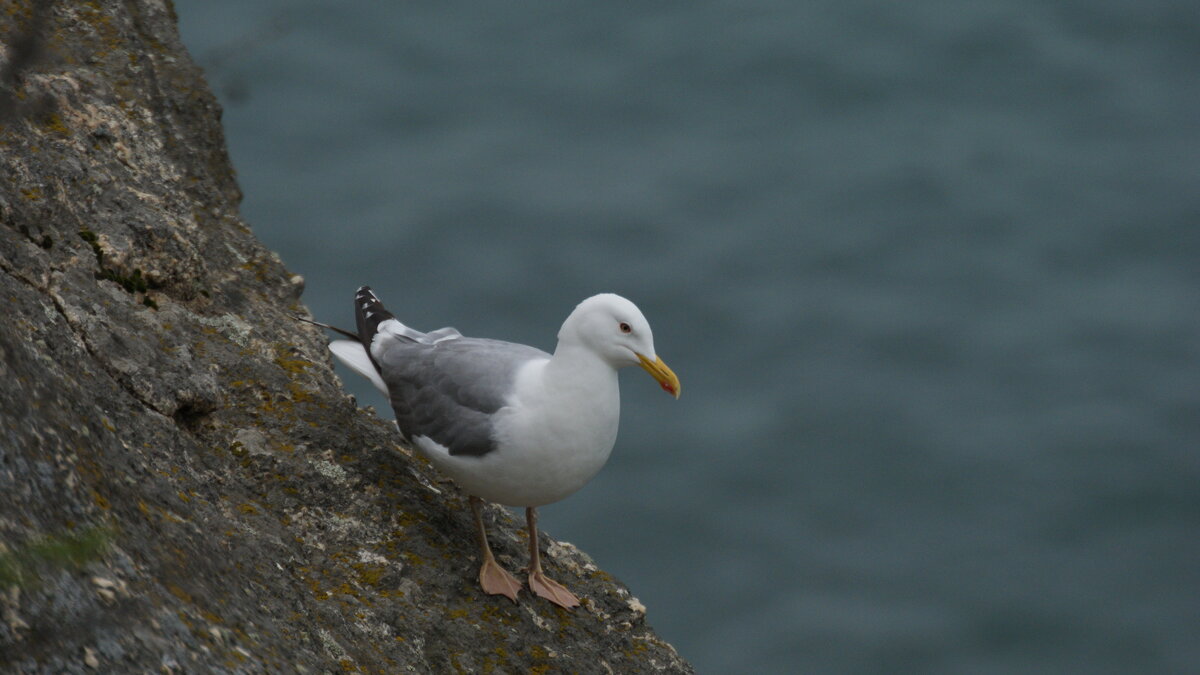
x=929, y=272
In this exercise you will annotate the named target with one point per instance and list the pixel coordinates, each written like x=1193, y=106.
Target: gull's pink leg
x=539, y=583
x=493, y=578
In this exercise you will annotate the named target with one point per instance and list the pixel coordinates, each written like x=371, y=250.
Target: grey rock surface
x=184, y=487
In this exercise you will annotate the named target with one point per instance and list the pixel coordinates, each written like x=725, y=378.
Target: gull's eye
x=625, y=328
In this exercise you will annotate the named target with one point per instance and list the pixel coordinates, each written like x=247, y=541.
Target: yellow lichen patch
x=170, y=517
x=539, y=652
x=298, y=394
x=601, y=575
x=108, y=34
x=368, y=574
x=180, y=593
x=493, y=614
x=54, y=124
x=259, y=267
x=293, y=366
x=315, y=587
x=405, y=519
x=499, y=661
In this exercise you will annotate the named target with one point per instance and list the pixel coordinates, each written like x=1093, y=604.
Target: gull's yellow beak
x=659, y=371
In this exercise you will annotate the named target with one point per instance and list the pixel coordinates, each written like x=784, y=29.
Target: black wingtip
x=369, y=312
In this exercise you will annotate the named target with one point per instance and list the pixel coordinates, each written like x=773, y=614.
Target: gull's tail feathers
x=354, y=355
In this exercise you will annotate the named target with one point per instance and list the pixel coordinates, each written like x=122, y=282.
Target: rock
x=184, y=486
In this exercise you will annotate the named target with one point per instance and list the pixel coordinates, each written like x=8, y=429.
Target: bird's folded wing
x=449, y=391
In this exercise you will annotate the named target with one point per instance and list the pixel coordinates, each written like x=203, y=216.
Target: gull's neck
x=575, y=367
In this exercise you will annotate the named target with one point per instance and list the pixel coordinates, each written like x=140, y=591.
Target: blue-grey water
x=929, y=272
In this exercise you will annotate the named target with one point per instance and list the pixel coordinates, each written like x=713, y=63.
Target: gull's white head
x=615, y=329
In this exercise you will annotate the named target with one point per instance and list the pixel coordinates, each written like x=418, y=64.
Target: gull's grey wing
x=449, y=390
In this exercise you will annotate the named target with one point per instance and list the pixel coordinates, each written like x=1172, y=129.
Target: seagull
x=508, y=422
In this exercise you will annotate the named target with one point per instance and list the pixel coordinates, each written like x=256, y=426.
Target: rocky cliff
x=184, y=487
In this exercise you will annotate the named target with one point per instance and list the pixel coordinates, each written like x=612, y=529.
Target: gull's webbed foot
x=552, y=590
x=495, y=580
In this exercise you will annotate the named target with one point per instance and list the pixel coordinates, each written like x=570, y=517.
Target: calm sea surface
x=929, y=272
